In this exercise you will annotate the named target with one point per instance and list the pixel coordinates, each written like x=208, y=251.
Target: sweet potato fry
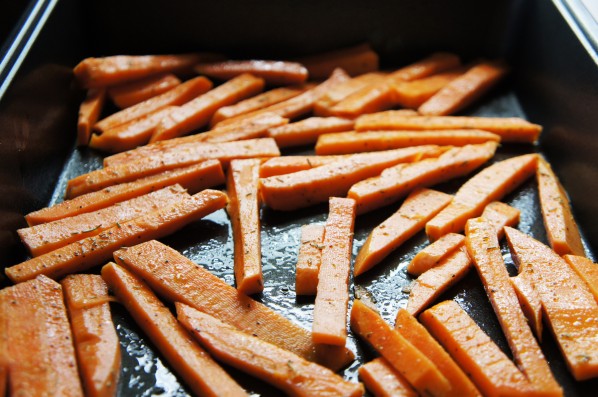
x=279, y=367
x=304, y=188
x=199, y=371
x=510, y=129
x=36, y=345
x=357, y=142
x=174, y=97
x=570, y=308
x=489, y=368
x=41, y=239
x=435, y=281
x=464, y=90
x=168, y=159
x=561, y=229
x=178, y=279
x=131, y=134
x=355, y=60
x=530, y=303
x=396, y=182
x=585, y=269
x=101, y=72
x=323, y=106
x=383, y=380
x=419, y=337
x=307, y=131
x=129, y=94
x=273, y=72
x=89, y=112
x=299, y=105
x=193, y=178
x=257, y=102
x=309, y=259
x=244, y=212
x=490, y=184
x=434, y=253
x=289, y=164
x=411, y=217
x=484, y=250
x=332, y=297
x=198, y=112
x=96, y=342
x=255, y=127
x=501, y=215
x=92, y=251
x=411, y=94
x=398, y=351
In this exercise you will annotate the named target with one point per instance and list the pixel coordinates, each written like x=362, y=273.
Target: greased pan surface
x=38, y=113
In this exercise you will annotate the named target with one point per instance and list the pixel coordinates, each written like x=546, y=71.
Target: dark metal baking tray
x=554, y=82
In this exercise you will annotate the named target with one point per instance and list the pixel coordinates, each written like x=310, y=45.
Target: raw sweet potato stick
x=307, y=131
x=309, y=259
x=198, y=112
x=96, y=342
x=273, y=72
x=356, y=142
x=411, y=217
x=434, y=253
x=89, y=112
x=490, y=184
x=332, y=296
x=380, y=377
x=288, y=164
x=168, y=159
x=129, y=94
x=510, y=129
x=323, y=106
x=484, y=249
x=396, y=182
x=561, y=229
x=193, y=178
x=200, y=372
x=101, y=72
x=177, y=279
x=355, y=60
x=36, y=344
x=244, y=212
x=279, y=367
x=92, y=251
x=411, y=94
x=570, y=308
x=304, y=188
x=486, y=364
x=585, y=269
x=530, y=303
x=174, y=97
x=419, y=371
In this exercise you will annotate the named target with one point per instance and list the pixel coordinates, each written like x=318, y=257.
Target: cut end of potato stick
x=273, y=72
x=587, y=270
x=309, y=259
x=416, y=210
x=464, y=90
x=332, y=297
x=501, y=215
x=434, y=253
x=529, y=302
x=383, y=380
x=89, y=112
x=561, y=229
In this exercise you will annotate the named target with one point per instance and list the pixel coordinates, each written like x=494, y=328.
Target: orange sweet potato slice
x=129, y=94
x=273, y=72
x=332, y=297
x=490, y=184
x=178, y=279
x=307, y=131
x=434, y=253
x=355, y=60
x=383, y=380
x=530, y=303
x=289, y=164
x=96, y=342
x=92, y=251
x=356, y=142
x=411, y=217
x=396, y=182
x=484, y=249
x=309, y=187
x=561, y=229
x=488, y=367
x=511, y=129
x=585, y=269
x=89, y=112
x=193, y=178
x=309, y=259
x=36, y=343
x=398, y=351
x=199, y=371
x=279, y=367
x=244, y=212
x=323, y=106
x=411, y=94
x=501, y=215
x=570, y=308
